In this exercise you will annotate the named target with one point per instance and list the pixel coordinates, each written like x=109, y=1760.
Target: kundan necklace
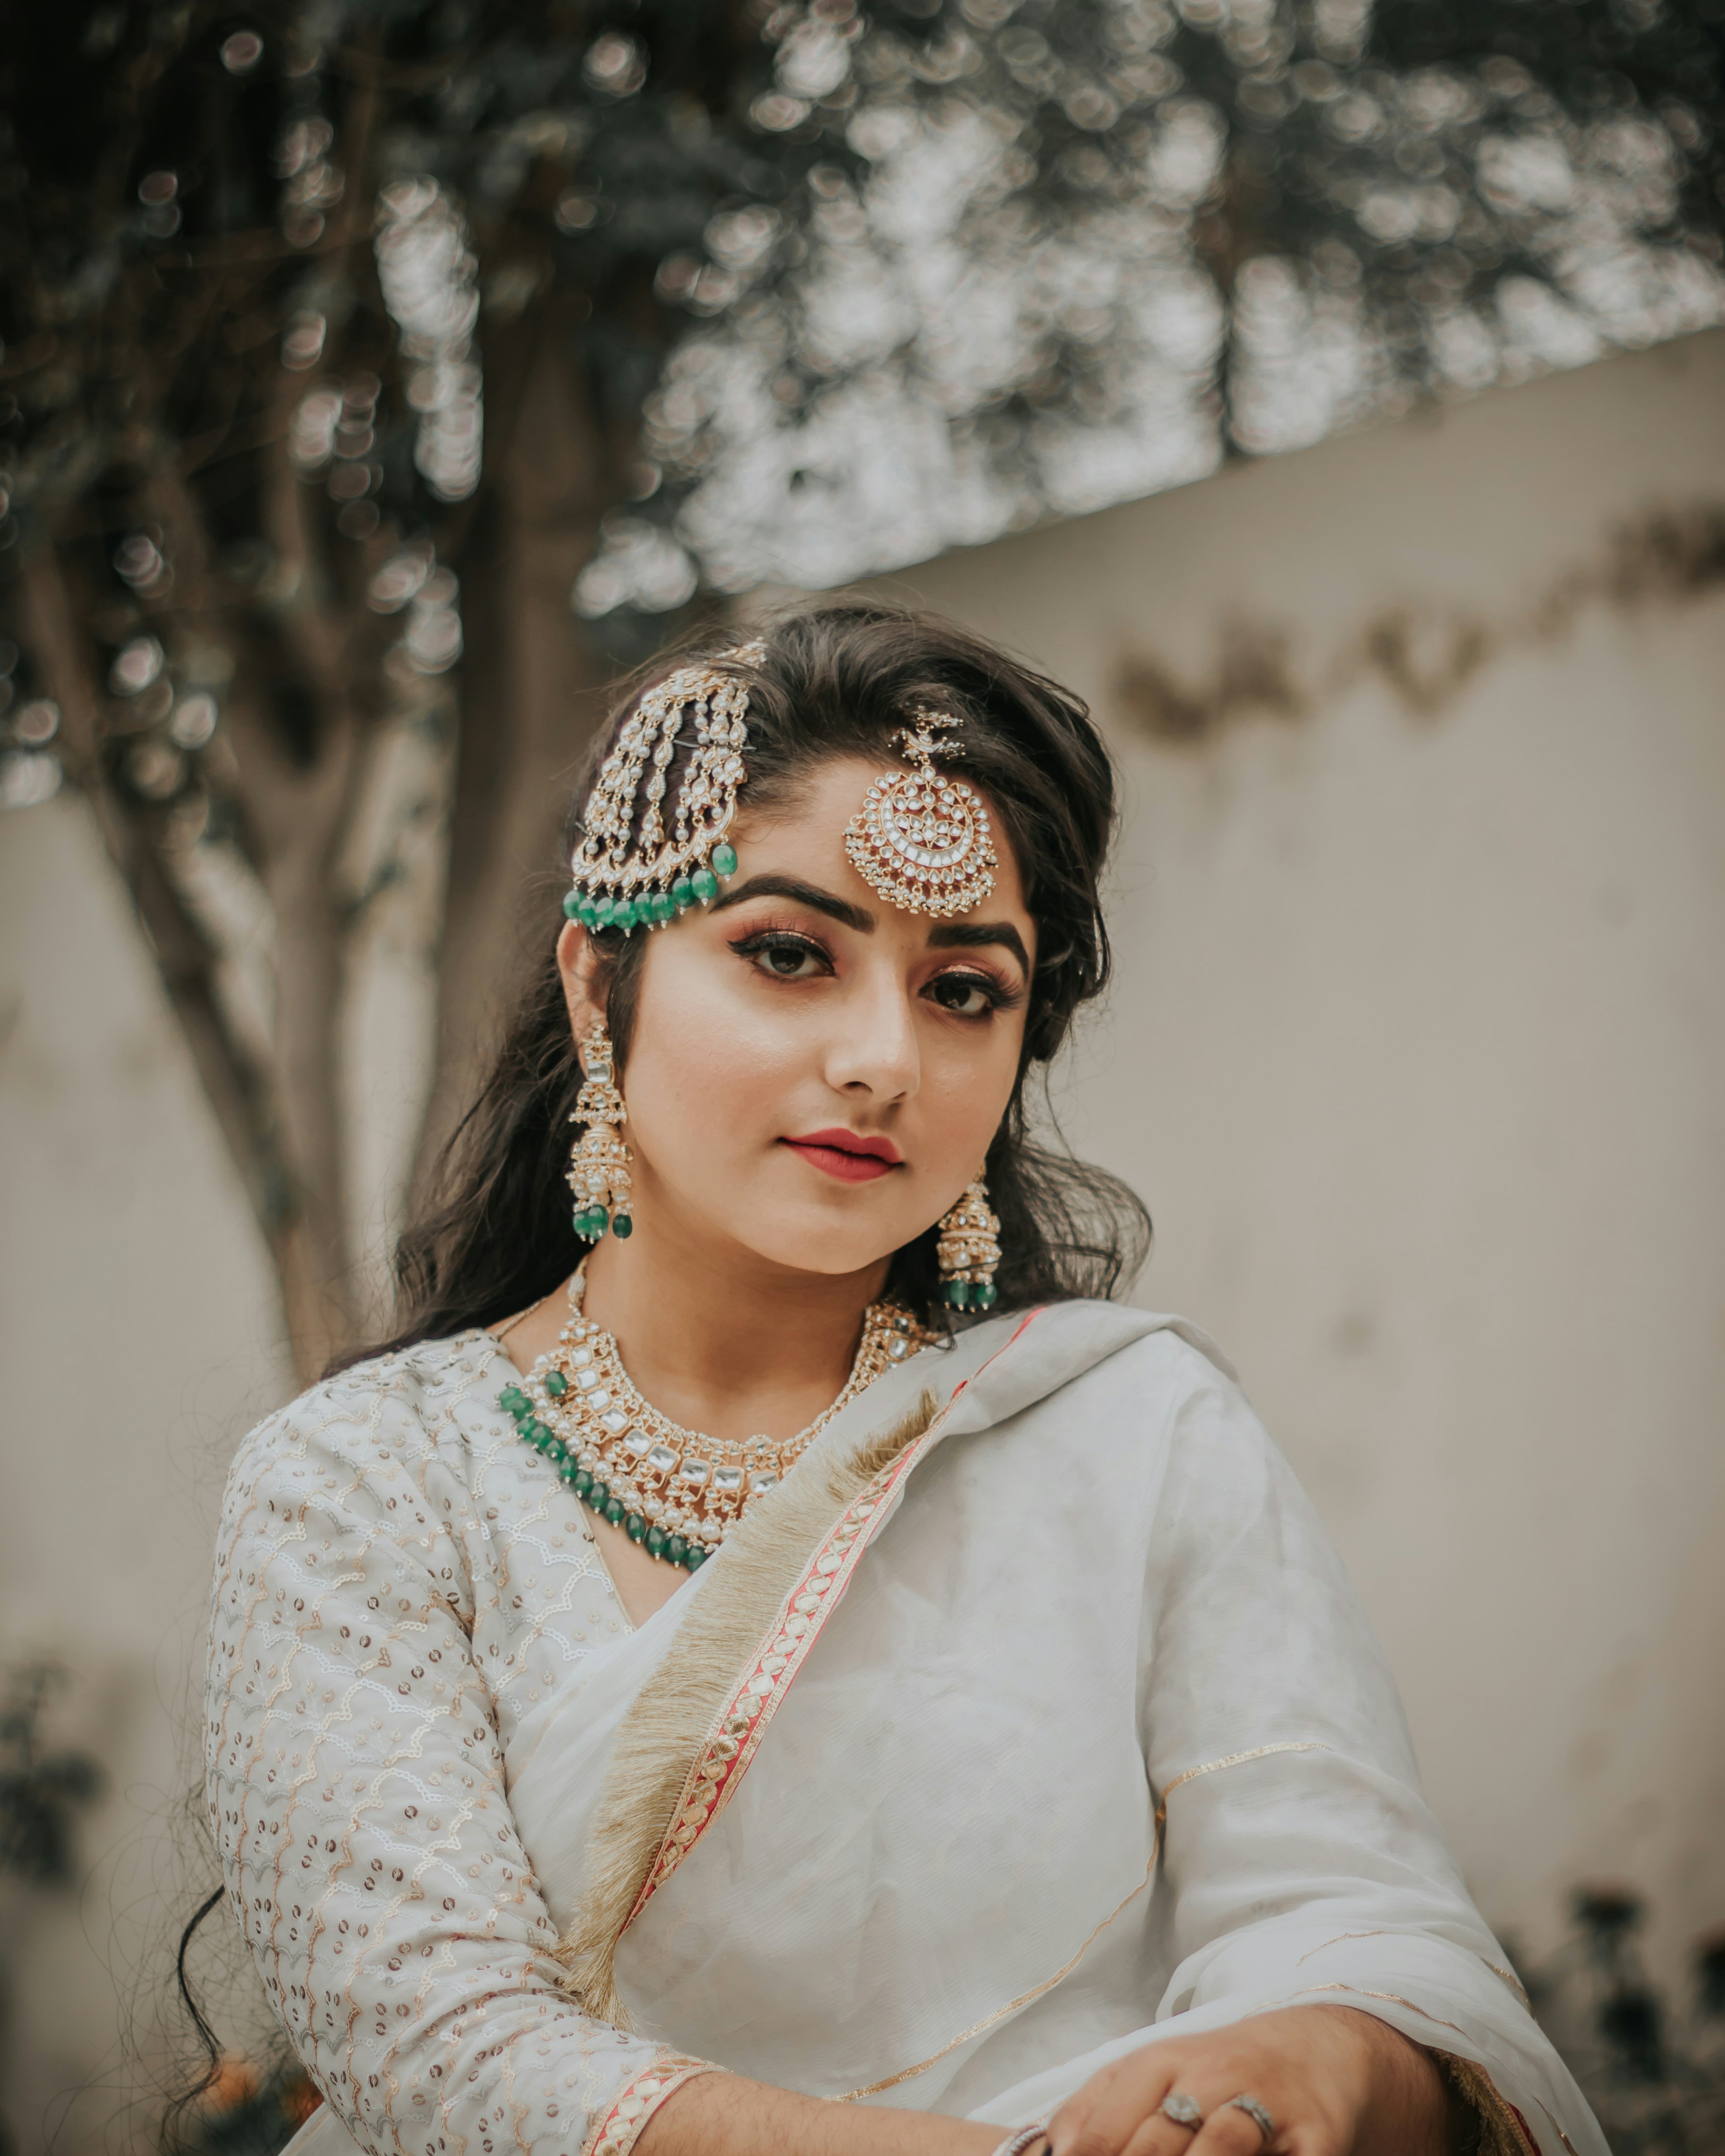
x=674, y=1492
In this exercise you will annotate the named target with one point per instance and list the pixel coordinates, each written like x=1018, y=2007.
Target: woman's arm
x=724, y=2115
x=1310, y=1905
x=356, y=1784
x=1335, y=2081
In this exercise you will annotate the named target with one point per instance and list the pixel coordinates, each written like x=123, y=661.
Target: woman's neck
x=721, y=1341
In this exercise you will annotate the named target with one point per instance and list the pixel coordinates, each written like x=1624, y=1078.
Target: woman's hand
x=1335, y=2081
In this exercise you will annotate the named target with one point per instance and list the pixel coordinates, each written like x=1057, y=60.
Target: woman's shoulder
x=1148, y=1385
x=1136, y=1379
x=1087, y=1333
x=381, y=1412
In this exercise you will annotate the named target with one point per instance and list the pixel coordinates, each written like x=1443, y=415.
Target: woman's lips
x=845, y=1156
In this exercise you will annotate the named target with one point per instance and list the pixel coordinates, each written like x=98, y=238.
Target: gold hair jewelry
x=629, y=871
x=599, y=1164
x=677, y=1492
x=921, y=839
x=969, y=1250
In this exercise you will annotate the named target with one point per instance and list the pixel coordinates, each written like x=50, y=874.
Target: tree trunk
x=280, y=1109
x=302, y=817
x=532, y=691
x=238, y=1090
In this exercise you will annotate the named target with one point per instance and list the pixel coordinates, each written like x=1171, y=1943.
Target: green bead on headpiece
x=646, y=857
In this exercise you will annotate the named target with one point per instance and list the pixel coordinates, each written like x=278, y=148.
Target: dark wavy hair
x=835, y=679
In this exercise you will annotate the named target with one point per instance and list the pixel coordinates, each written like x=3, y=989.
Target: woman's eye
x=966, y=995
x=787, y=957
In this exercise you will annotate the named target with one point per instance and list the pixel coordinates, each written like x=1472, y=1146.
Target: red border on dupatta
x=741, y=1723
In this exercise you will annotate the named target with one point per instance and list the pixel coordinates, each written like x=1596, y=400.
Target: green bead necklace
x=674, y=1492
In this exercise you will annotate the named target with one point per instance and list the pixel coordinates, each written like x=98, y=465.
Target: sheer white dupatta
x=1024, y=1726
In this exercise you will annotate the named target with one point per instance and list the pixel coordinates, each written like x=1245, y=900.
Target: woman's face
x=813, y=1075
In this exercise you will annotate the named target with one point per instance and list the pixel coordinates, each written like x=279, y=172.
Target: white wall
x=137, y=1325
x=1417, y=1051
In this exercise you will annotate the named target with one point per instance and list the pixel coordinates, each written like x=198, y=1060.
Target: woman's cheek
x=706, y=1066
x=966, y=1087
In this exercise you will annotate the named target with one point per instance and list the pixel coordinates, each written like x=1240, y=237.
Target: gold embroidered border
x=1394, y=1998
x=741, y=1723
x=1233, y=1759
x=617, y=2130
x=1513, y=1981
x=1504, y=1975
x=1555, y=2128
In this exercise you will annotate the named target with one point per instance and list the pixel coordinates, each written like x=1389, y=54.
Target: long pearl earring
x=969, y=1250
x=599, y=1164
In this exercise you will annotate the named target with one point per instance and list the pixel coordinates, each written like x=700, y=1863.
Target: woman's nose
x=873, y=1047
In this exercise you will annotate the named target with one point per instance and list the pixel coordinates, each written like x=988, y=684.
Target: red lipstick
x=845, y=1156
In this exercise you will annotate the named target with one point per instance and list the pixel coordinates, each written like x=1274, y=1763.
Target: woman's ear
x=583, y=972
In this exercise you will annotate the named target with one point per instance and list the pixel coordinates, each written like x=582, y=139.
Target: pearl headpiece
x=642, y=861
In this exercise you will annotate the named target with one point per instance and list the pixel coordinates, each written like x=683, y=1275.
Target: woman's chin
x=795, y=1242
x=820, y=1257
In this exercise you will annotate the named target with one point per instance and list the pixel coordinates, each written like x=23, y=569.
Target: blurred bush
x=1654, y=2070
x=42, y=1791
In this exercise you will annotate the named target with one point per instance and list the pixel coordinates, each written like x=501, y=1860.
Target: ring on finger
x=1255, y=2112
x=1182, y=2109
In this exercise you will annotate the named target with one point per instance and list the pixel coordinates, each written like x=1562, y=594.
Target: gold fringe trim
x=679, y=1710
x=1500, y=2131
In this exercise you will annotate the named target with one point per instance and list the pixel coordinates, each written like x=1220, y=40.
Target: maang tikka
x=921, y=839
x=641, y=863
x=599, y=1164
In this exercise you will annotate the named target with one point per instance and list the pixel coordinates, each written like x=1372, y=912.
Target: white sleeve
x=355, y=1784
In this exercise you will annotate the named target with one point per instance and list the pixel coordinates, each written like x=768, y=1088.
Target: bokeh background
x=1333, y=394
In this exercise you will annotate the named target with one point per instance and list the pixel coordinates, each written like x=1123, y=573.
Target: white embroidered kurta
x=916, y=1859
x=400, y=1578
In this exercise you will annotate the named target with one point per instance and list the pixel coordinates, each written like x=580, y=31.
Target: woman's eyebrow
x=802, y=894
x=968, y=934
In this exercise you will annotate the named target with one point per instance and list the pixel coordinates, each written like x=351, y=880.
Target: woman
x=807, y=1647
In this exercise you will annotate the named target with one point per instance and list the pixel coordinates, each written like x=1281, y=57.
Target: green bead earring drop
x=598, y=1165
x=969, y=1251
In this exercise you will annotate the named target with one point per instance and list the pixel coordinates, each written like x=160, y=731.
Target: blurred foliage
x=1041, y=218
x=42, y=1791
x=339, y=335
x=1091, y=248
x=1653, y=2070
